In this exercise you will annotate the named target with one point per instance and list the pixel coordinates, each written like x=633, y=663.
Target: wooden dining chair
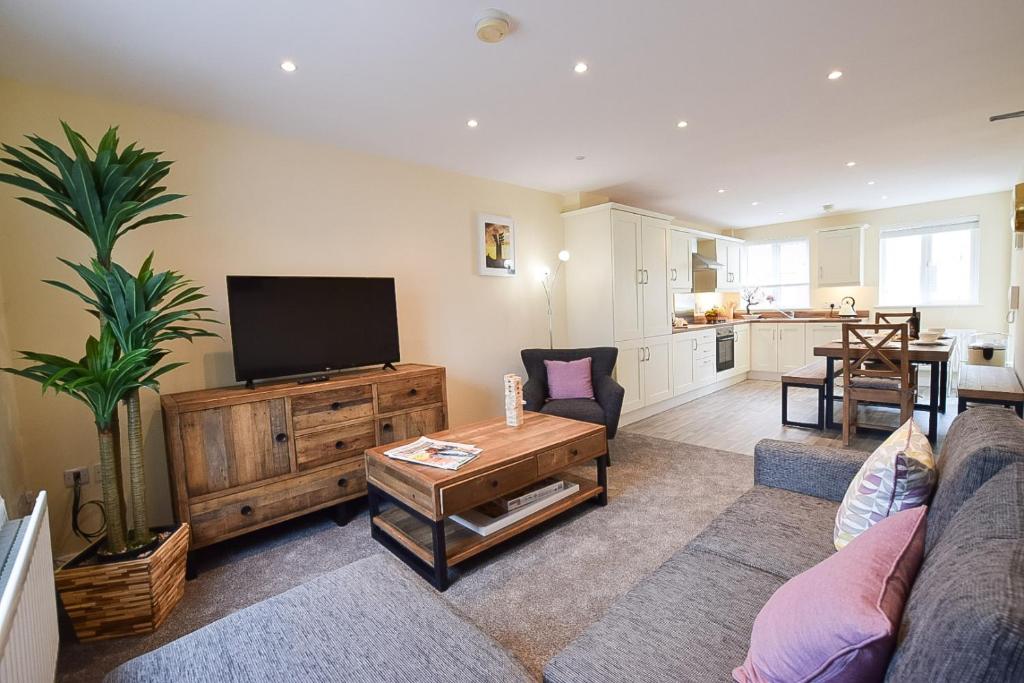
x=892, y=318
x=874, y=373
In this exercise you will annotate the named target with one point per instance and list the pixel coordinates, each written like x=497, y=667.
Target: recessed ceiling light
x=288, y=65
x=754, y=203
x=871, y=182
x=580, y=157
x=581, y=67
x=472, y=123
x=682, y=124
x=851, y=164
x=721, y=190
x=835, y=75
x=781, y=213
x=885, y=196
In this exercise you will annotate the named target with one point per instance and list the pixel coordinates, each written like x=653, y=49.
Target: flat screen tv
x=295, y=325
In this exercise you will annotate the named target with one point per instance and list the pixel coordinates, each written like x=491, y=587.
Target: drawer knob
x=336, y=405
x=574, y=451
x=281, y=438
x=343, y=482
x=339, y=444
x=413, y=392
x=386, y=426
x=494, y=483
x=246, y=510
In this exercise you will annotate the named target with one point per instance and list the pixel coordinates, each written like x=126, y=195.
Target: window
x=932, y=265
x=782, y=270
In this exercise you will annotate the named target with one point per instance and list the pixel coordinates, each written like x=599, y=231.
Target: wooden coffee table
x=415, y=526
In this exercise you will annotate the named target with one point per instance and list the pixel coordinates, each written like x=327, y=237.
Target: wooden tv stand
x=241, y=459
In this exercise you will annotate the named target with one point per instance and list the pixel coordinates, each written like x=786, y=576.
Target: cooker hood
x=704, y=263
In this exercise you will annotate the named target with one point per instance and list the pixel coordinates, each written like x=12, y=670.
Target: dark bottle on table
x=914, y=322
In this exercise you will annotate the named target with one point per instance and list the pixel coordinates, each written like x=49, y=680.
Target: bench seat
x=990, y=384
x=810, y=376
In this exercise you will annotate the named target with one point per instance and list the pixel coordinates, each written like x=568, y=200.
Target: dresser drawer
x=466, y=494
x=400, y=394
x=323, y=408
x=338, y=443
x=218, y=518
x=570, y=454
x=412, y=424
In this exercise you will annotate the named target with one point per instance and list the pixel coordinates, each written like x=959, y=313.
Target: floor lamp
x=547, y=280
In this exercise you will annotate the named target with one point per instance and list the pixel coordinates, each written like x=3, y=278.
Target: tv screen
x=294, y=325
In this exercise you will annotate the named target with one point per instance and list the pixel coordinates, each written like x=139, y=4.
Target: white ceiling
x=402, y=78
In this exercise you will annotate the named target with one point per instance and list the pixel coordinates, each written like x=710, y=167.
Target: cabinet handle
x=574, y=451
x=413, y=392
x=336, y=405
x=246, y=510
x=694, y=344
x=494, y=483
x=339, y=445
x=386, y=426
x=281, y=438
x=647, y=276
x=343, y=482
x=640, y=276
x=640, y=350
x=648, y=352
x=675, y=275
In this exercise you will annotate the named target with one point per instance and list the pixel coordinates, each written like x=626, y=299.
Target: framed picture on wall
x=497, y=245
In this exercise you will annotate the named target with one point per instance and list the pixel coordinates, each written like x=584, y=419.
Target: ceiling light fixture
x=581, y=67
x=871, y=182
x=835, y=75
x=754, y=203
x=472, y=123
x=682, y=124
x=288, y=65
x=493, y=25
x=580, y=157
x=885, y=196
x=851, y=164
x=721, y=190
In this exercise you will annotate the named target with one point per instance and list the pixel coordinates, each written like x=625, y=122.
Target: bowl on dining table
x=939, y=331
x=928, y=336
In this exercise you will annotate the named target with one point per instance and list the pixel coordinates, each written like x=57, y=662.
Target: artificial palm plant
x=104, y=195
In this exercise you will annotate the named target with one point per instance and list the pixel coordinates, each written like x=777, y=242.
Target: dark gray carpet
x=533, y=594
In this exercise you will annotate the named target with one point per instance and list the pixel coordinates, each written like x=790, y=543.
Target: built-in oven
x=725, y=348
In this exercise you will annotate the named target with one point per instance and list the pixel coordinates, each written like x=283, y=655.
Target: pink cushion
x=569, y=379
x=837, y=621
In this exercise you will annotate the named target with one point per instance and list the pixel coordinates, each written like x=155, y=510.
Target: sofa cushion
x=569, y=378
x=773, y=530
x=980, y=442
x=686, y=622
x=898, y=475
x=837, y=621
x=373, y=620
x=583, y=409
x=964, y=620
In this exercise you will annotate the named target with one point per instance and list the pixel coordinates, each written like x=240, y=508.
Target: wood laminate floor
x=736, y=418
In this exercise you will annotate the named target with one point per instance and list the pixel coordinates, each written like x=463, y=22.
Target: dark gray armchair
x=608, y=393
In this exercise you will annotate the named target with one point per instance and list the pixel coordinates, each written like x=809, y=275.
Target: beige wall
x=260, y=204
x=12, y=479
x=994, y=212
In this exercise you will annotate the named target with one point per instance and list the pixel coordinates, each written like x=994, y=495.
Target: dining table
x=935, y=355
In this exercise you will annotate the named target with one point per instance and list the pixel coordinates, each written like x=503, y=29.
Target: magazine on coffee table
x=446, y=455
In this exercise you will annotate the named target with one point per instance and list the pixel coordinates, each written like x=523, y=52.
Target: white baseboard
x=767, y=376
x=655, y=408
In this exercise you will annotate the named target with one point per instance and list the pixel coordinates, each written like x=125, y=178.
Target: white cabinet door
x=627, y=309
x=733, y=265
x=741, y=348
x=629, y=373
x=764, y=345
x=683, y=346
x=680, y=259
x=819, y=334
x=839, y=257
x=705, y=371
x=657, y=369
x=657, y=297
x=792, y=346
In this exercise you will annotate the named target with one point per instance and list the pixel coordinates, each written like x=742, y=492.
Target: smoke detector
x=493, y=25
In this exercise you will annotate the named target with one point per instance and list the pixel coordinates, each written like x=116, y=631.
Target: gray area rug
x=533, y=595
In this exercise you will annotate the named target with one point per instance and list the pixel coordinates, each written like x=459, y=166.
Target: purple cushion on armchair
x=569, y=379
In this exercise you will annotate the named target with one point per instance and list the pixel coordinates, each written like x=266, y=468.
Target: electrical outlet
x=69, y=476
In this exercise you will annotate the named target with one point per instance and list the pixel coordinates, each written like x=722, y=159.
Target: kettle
x=846, y=307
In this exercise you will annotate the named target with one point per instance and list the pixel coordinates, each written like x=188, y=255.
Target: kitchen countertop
x=729, y=323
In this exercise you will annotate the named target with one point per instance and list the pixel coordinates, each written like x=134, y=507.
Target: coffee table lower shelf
x=402, y=530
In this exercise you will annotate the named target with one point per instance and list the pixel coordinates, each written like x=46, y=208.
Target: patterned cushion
x=899, y=475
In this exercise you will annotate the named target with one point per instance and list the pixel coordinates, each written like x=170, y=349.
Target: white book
x=486, y=524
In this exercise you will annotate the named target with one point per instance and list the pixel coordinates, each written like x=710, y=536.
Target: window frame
x=776, y=253
x=929, y=275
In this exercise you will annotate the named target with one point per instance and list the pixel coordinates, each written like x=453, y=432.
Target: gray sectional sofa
x=688, y=621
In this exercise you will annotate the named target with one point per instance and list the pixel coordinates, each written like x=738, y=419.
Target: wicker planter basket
x=127, y=598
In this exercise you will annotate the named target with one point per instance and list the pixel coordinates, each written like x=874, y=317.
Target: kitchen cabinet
x=792, y=347
x=742, y=347
x=680, y=260
x=627, y=275
x=705, y=366
x=657, y=297
x=629, y=373
x=841, y=257
x=730, y=254
x=657, y=369
x=764, y=347
x=683, y=347
x=818, y=334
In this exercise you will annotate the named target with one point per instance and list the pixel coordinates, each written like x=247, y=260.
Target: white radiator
x=28, y=604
